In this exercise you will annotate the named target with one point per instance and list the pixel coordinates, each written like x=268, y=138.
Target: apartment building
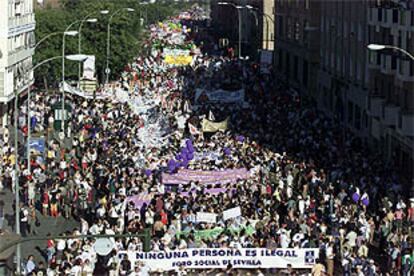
x=297, y=43
x=343, y=76
x=391, y=81
x=17, y=25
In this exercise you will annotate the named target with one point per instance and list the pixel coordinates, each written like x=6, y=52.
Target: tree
x=126, y=35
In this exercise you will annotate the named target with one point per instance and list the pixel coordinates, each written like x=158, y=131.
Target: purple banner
x=140, y=199
x=205, y=177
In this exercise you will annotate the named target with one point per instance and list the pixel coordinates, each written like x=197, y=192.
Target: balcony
x=376, y=106
x=21, y=24
x=407, y=124
x=391, y=113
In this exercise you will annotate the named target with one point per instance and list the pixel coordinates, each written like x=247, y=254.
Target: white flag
x=193, y=129
x=187, y=107
x=211, y=116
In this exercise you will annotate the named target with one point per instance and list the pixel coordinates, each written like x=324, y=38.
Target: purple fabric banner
x=205, y=177
x=140, y=199
x=212, y=191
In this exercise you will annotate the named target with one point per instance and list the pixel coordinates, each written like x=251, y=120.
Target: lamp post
x=70, y=33
x=145, y=4
x=29, y=127
x=108, y=42
x=378, y=47
x=90, y=20
x=238, y=8
x=16, y=145
x=85, y=19
x=268, y=18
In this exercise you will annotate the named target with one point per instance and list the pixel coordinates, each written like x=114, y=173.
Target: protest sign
x=37, y=145
x=206, y=217
x=89, y=68
x=210, y=234
x=178, y=60
x=231, y=213
x=209, y=126
x=219, y=96
x=184, y=176
x=207, y=258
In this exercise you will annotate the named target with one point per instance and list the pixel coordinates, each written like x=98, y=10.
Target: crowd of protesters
x=312, y=184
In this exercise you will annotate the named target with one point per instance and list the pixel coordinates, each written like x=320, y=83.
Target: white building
x=17, y=25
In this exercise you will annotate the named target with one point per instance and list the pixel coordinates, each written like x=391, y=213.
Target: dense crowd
x=311, y=185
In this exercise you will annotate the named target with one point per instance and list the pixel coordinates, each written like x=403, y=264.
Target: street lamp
x=89, y=20
x=145, y=4
x=108, y=43
x=268, y=18
x=238, y=8
x=70, y=33
x=378, y=47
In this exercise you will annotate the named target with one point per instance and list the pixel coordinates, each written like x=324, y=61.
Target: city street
x=181, y=141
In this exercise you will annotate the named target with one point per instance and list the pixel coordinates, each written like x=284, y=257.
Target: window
x=411, y=68
x=307, y=4
x=289, y=28
x=297, y=31
x=394, y=16
x=280, y=61
x=402, y=18
x=399, y=39
x=322, y=24
x=305, y=73
x=18, y=9
x=305, y=33
x=351, y=69
x=287, y=69
x=357, y=117
x=378, y=58
x=281, y=26
x=296, y=68
x=345, y=29
x=412, y=18
x=350, y=111
x=393, y=62
x=379, y=14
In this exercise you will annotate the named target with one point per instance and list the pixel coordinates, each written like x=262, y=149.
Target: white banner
x=89, y=68
x=207, y=258
x=75, y=91
x=175, y=52
x=219, y=96
x=231, y=213
x=206, y=217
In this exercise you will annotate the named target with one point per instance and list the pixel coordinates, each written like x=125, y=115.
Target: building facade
x=257, y=29
x=343, y=76
x=268, y=17
x=17, y=25
x=297, y=43
x=321, y=47
x=391, y=81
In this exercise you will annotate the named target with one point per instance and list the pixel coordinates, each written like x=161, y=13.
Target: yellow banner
x=178, y=60
x=209, y=126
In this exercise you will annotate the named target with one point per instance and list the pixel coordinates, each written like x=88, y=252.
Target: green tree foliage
x=126, y=34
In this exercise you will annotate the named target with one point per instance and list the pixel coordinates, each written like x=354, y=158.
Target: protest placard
x=231, y=213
